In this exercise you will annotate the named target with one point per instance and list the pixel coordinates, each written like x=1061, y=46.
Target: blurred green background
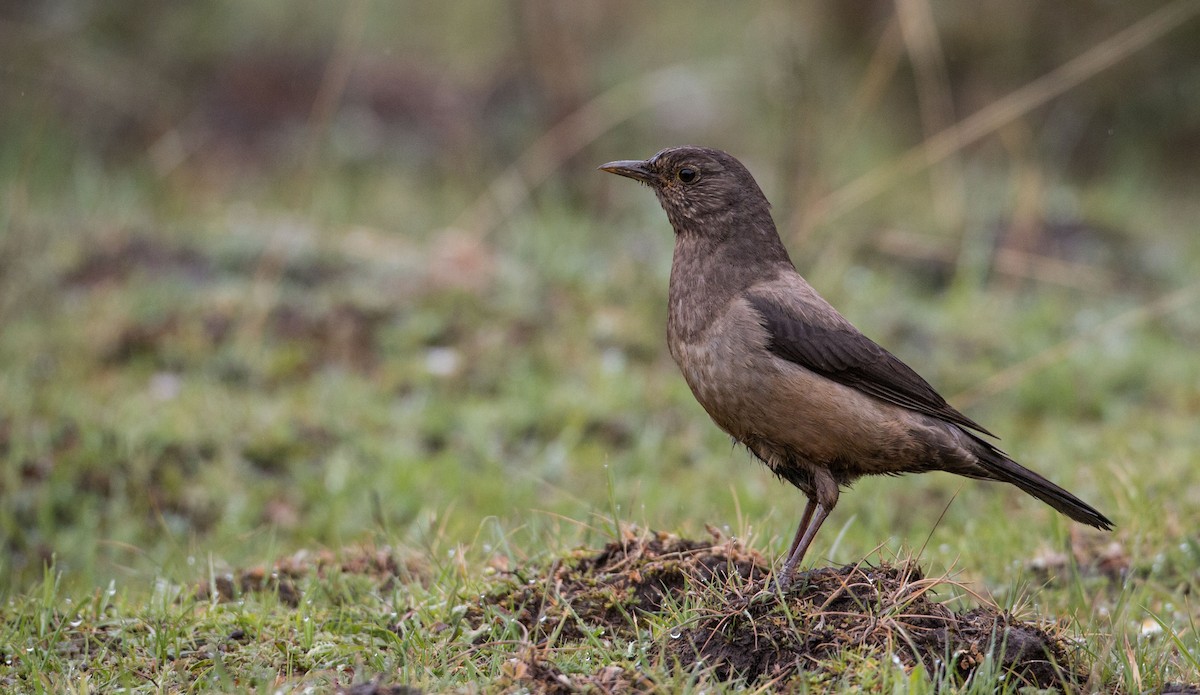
x=286, y=275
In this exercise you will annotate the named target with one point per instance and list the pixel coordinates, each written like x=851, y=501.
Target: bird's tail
x=1000, y=467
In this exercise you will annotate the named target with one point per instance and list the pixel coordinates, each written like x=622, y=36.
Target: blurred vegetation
x=285, y=275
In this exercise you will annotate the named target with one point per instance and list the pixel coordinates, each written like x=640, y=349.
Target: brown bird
x=785, y=374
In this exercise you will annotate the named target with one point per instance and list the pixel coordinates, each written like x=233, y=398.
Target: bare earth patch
x=739, y=627
x=383, y=565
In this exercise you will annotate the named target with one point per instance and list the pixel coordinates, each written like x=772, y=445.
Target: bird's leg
x=801, y=546
x=804, y=520
x=785, y=577
x=819, y=506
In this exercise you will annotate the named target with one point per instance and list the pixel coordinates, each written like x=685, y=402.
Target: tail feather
x=1000, y=467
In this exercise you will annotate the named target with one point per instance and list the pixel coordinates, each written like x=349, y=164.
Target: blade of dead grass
x=920, y=34
x=510, y=189
x=999, y=113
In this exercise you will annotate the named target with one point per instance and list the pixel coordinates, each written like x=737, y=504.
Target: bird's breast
x=722, y=357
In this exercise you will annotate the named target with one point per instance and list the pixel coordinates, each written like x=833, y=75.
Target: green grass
x=190, y=390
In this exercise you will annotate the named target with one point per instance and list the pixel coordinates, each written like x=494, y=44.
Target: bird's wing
x=841, y=353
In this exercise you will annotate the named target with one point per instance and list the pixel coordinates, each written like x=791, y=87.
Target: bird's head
x=699, y=187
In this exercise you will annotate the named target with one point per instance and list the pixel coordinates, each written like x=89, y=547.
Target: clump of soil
x=606, y=591
x=885, y=612
x=384, y=565
x=736, y=626
x=530, y=673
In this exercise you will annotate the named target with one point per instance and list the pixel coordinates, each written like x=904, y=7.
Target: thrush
x=785, y=374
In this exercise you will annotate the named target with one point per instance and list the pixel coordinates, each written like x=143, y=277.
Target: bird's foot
x=784, y=584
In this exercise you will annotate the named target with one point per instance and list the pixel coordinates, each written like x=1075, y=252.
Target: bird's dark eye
x=689, y=174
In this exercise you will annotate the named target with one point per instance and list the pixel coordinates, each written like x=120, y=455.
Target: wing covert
x=848, y=357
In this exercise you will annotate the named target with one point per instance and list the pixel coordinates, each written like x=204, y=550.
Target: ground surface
x=328, y=360
x=179, y=409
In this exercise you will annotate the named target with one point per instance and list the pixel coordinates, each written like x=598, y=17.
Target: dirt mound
x=833, y=616
x=732, y=624
x=607, y=590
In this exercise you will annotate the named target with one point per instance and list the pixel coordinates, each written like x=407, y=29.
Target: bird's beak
x=632, y=168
